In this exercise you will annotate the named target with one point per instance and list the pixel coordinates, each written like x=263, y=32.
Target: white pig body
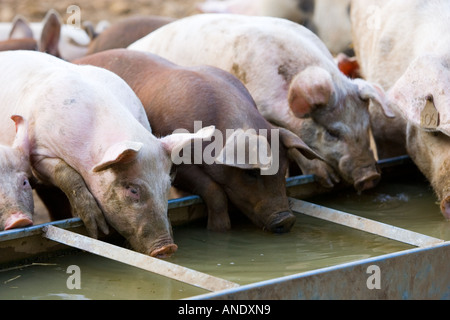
x=405, y=46
x=89, y=136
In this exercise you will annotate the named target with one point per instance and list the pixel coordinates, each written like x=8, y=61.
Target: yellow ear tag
x=429, y=117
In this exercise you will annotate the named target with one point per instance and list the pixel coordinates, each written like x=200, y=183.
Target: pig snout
x=363, y=175
x=445, y=207
x=368, y=180
x=164, y=251
x=18, y=220
x=281, y=222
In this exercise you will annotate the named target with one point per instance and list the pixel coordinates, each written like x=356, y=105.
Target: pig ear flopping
x=373, y=92
x=122, y=152
x=246, y=150
x=310, y=89
x=175, y=142
x=291, y=140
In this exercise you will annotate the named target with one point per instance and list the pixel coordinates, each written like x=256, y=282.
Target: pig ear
x=51, y=33
x=20, y=29
x=21, y=141
x=122, y=152
x=310, y=89
x=348, y=66
x=176, y=141
x=376, y=94
x=246, y=150
x=291, y=140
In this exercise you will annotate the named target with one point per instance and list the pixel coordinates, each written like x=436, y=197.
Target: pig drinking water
x=176, y=97
x=404, y=45
x=90, y=137
x=284, y=65
x=16, y=198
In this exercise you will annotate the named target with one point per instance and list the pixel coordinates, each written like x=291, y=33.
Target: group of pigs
x=96, y=131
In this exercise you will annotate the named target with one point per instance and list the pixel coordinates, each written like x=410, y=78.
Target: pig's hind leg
x=60, y=174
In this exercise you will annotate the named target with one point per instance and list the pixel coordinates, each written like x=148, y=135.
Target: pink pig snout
x=164, y=251
x=368, y=181
x=18, y=220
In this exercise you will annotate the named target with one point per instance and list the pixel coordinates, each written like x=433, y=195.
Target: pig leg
x=324, y=174
x=191, y=178
x=84, y=205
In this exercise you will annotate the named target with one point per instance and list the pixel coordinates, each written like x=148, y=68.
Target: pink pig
x=90, y=137
x=16, y=198
x=405, y=46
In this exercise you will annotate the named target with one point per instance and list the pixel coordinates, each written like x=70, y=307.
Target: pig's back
x=265, y=53
x=212, y=37
x=65, y=104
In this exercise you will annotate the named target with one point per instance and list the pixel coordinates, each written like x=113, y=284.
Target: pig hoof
x=283, y=222
x=164, y=252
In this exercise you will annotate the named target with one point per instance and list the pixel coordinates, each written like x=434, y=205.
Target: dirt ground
x=95, y=11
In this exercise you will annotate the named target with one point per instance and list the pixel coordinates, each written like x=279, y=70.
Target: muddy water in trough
x=243, y=255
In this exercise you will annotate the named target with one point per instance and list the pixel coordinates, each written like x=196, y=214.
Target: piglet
x=175, y=97
x=16, y=198
x=90, y=137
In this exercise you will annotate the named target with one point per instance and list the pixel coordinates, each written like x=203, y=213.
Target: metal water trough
x=411, y=274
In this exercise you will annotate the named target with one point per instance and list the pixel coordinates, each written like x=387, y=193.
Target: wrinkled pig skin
x=174, y=97
x=90, y=137
x=408, y=54
x=16, y=198
x=273, y=58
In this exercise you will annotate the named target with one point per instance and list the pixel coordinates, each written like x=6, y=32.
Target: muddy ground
x=96, y=10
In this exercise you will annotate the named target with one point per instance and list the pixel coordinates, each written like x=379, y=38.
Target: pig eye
x=132, y=191
x=332, y=134
x=25, y=183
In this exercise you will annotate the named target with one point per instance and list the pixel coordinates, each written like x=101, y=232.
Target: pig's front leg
x=324, y=174
x=83, y=204
x=191, y=178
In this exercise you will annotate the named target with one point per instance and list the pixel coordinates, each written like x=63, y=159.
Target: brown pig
x=174, y=97
x=124, y=32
